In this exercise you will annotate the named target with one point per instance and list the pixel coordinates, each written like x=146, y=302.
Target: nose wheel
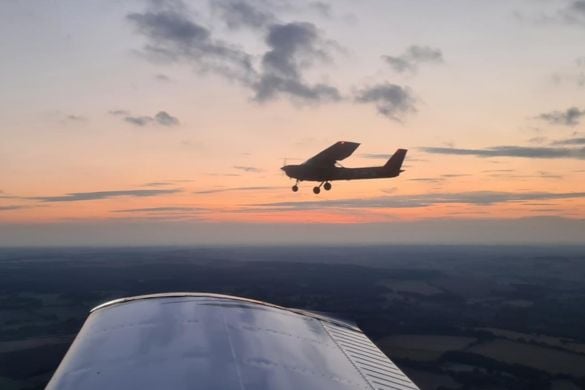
x=316, y=190
x=295, y=188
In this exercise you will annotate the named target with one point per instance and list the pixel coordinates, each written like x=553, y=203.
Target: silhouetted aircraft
x=323, y=167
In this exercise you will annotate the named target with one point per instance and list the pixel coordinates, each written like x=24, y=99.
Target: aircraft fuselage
x=324, y=174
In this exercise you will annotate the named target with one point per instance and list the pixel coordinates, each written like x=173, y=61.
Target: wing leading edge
x=336, y=152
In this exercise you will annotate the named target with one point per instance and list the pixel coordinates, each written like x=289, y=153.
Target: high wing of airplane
x=186, y=341
x=323, y=167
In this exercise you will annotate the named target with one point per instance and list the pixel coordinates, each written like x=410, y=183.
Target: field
x=451, y=317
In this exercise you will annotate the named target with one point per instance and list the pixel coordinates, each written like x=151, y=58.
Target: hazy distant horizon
x=531, y=231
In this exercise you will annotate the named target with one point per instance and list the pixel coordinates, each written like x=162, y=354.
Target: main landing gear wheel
x=295, y=188
x=327, y=186
x=316, y=190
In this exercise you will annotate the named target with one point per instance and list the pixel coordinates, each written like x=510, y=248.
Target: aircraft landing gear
x=295, y=188
x=325, y=184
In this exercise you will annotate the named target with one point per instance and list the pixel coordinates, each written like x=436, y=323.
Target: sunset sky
x=166, y=122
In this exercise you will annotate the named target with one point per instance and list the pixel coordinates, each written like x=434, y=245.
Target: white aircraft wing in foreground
x=217, y=342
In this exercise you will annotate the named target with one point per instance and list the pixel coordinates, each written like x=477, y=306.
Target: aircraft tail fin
x=395, y=162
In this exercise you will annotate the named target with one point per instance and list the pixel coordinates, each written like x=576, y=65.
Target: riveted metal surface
x=178, y=341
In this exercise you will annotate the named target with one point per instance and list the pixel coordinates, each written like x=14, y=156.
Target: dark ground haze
x=466, y=317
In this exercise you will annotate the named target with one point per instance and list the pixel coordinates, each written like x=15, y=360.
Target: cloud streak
x=570, y=117
x=479, y=198
x=162, y=118
x=12, y=207
x=165, y=209
x=247, y=169
x=236, y=189
x=100, y=195
x=513, y=151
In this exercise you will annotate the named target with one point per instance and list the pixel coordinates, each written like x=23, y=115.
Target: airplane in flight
x=324, y=167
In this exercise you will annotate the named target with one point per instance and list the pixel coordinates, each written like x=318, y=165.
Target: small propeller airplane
x=324, y=167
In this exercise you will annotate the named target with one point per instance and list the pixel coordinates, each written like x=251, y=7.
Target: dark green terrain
x=451, y=317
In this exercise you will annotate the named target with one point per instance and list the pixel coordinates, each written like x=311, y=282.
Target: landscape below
x=466, y=317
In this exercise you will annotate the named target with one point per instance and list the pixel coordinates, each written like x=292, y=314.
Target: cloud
x=12, y=207
x=571, y=141
x=99, y=195
x=247, y=169
x=157, y=184
x=413, y=57
x=513, y=151
x=167, y=209
x=173, y=37
x=76, y=118
x=571, y=117
x=236, y=189
x=293, y=48
x=165, y=119
x=574, y=12
x=237, y=14
x=119, y=112
x=162, y=77
x=392, y=101
x=484, y=198
x=139, y=120
x=162, y=118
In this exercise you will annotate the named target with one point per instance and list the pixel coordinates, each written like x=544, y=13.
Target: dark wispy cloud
x=236, y=189
x=570, y=117
x=513, y=151
x=413, y=57
x=99, y=195
x=162, y=77
x=392, y=101
x=162, y=118
x=483, y=198
x=293, y=48
x=574, y=12
x=239, y=13
x=12, y=207
x=119, y=112
x=571, y=141
x=247, y=169
x=164, y=209
x=76, y=118
x=173, y=37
